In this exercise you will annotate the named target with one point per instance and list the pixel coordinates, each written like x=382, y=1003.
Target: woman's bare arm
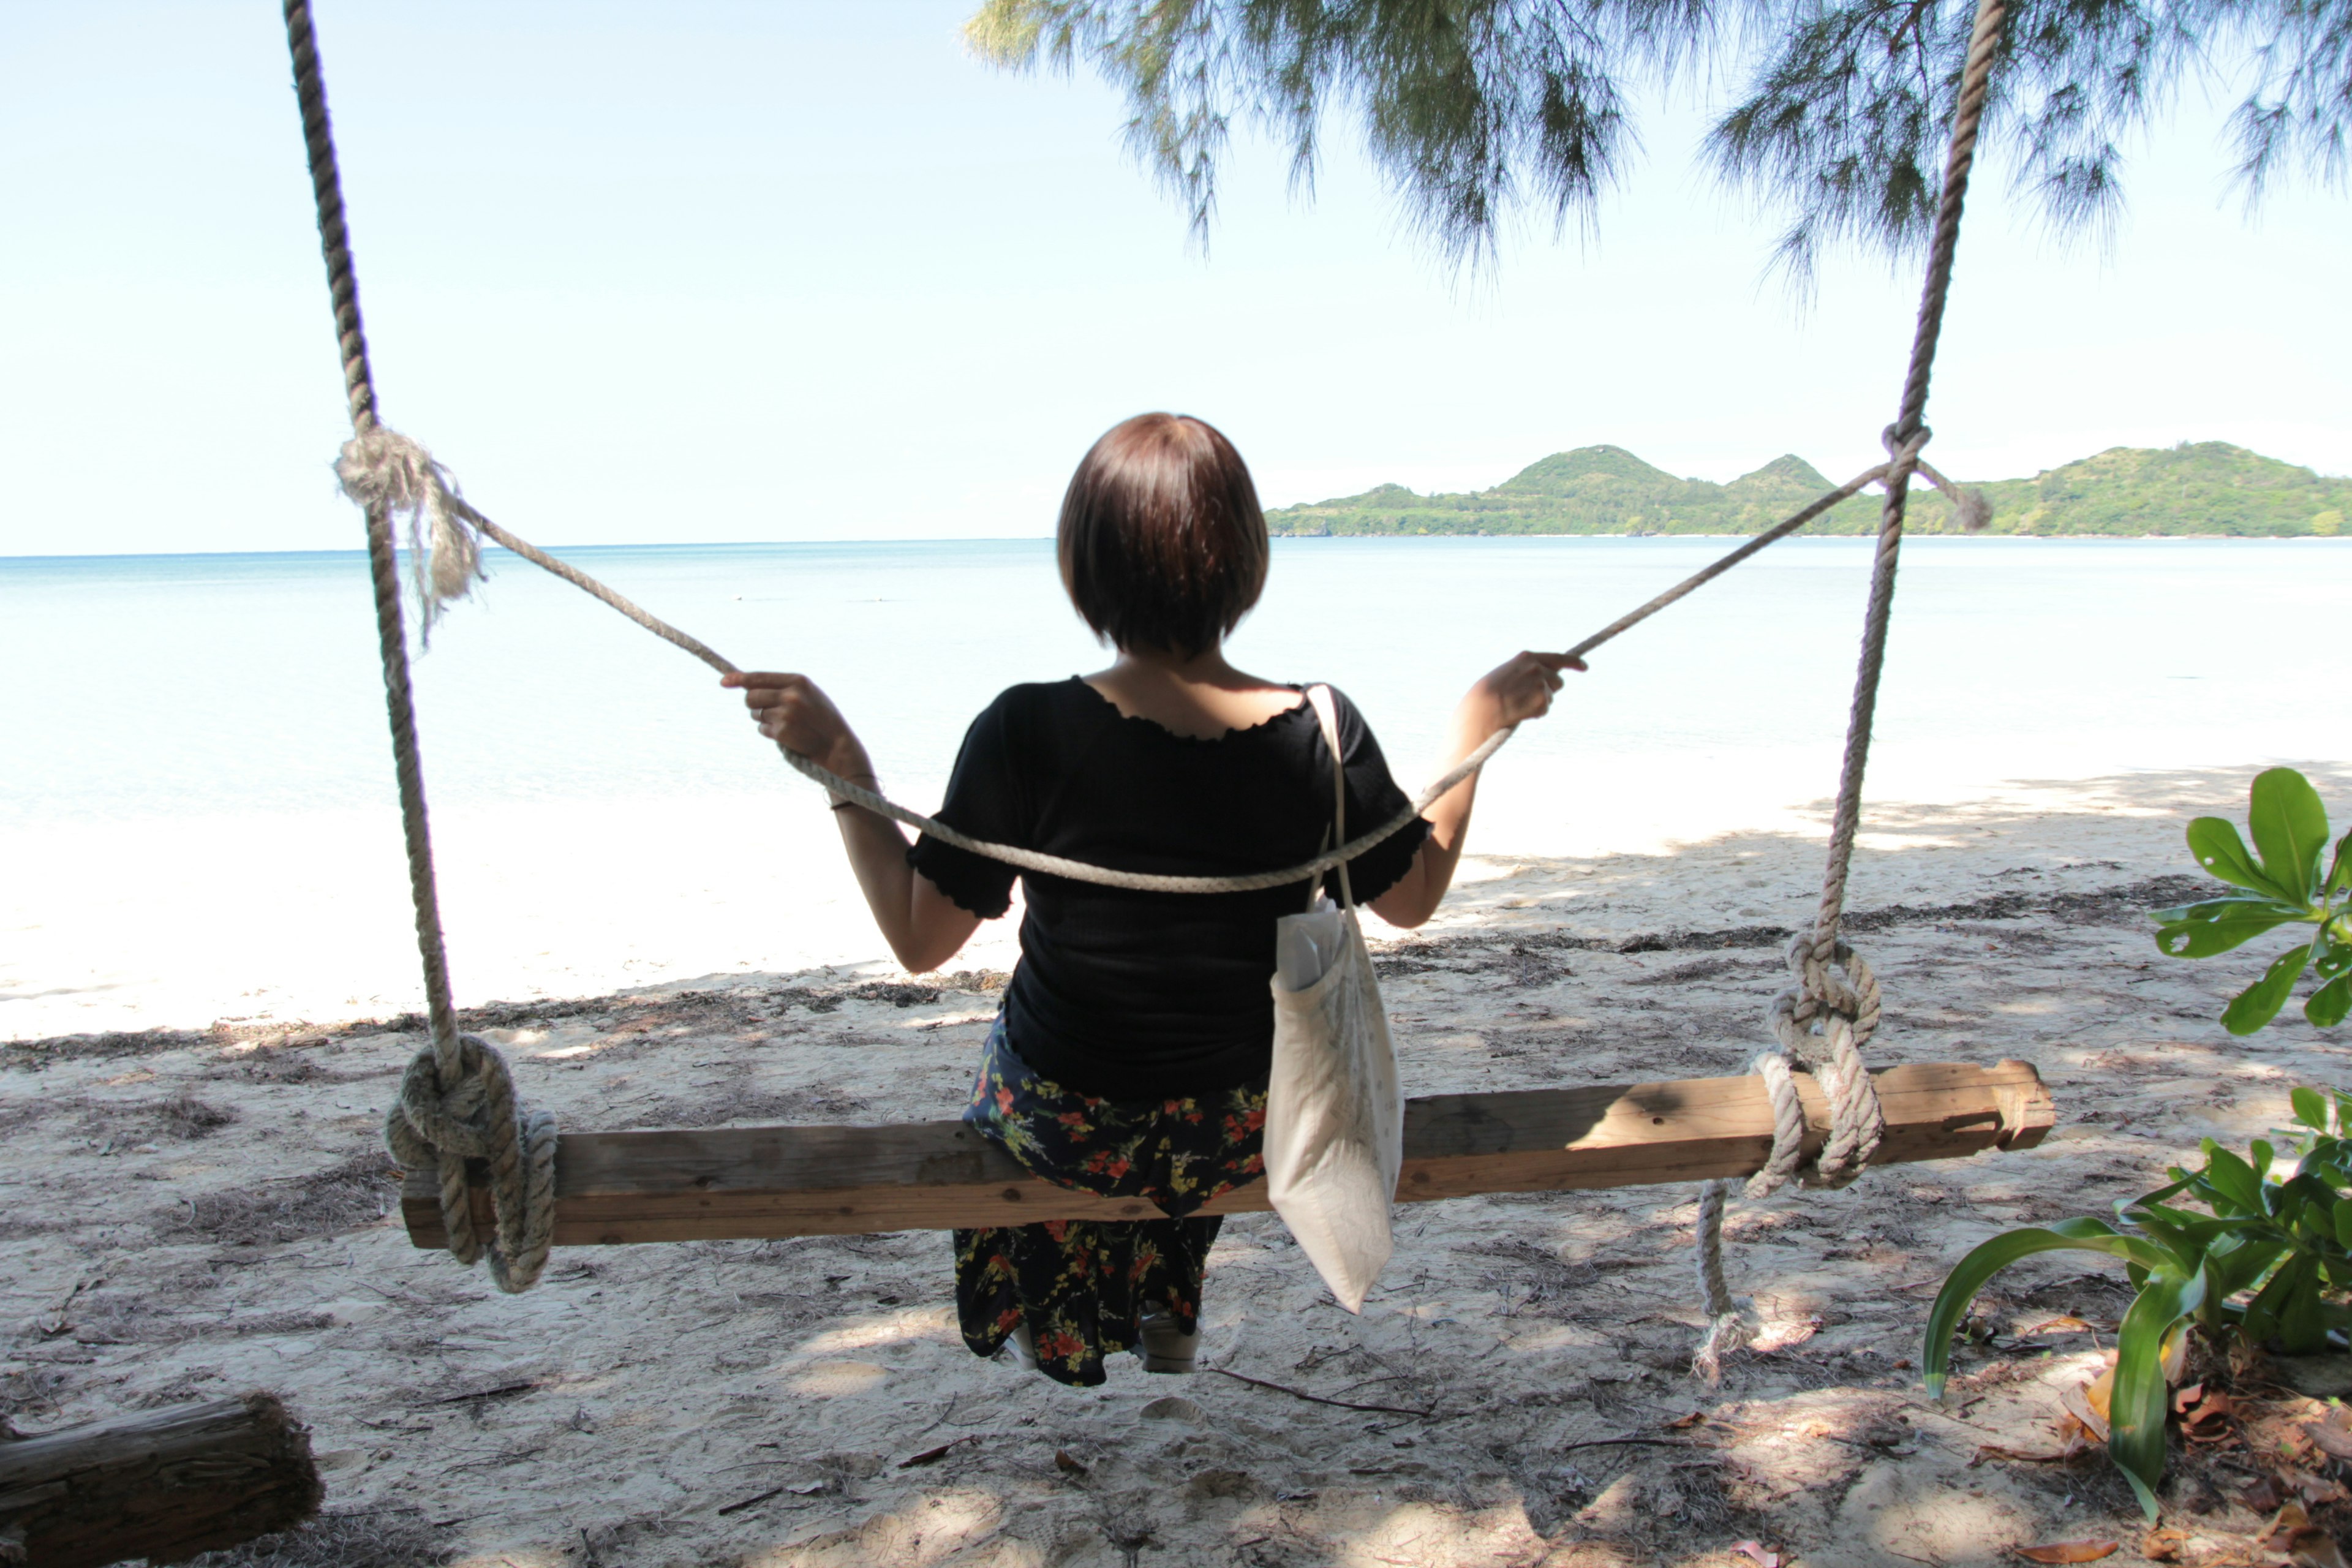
x=924, y=927
x=1511, y=693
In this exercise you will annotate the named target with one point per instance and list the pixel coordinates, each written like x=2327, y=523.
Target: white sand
x=288, y=917
x=631, y=1405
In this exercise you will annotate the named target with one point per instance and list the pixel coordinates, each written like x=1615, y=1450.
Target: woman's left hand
x=790, y=711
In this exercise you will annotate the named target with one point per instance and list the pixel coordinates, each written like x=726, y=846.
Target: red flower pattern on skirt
x=1083, y=1285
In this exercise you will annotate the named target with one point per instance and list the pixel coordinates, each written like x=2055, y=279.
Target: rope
x=384, y=463
x=442, y=1124
x=458, y=1101
x=386, y=472
x=1825, y=1021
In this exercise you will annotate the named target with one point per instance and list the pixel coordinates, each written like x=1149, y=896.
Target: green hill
x=2208, y=488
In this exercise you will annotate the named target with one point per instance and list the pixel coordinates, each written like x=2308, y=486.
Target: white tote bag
x=1334, y=1111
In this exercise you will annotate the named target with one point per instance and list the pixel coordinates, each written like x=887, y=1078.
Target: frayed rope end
x=1974, y=508
x=382, y=468
x=1726, y=1333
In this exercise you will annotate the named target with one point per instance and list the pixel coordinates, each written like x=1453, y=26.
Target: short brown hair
x=1162, y=542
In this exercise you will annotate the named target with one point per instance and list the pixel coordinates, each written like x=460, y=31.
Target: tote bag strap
x=1326, y=715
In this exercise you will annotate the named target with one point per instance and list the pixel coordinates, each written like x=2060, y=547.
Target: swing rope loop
x=1823, y=1024
x=444, y=1125
x=457, y=1101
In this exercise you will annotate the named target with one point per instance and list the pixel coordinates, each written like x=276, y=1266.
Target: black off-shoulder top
x=1130, y=994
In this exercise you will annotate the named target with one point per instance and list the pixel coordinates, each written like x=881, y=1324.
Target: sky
x=703, y=272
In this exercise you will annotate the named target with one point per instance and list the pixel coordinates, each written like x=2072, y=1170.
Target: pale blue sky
x=697, y=271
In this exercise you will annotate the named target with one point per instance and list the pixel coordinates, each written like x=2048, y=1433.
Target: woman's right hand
x=1517, y=689
x=790, y=711
x=1513, y=692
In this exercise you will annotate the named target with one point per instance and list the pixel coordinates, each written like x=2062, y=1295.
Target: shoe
x=1023, y=1346
x=1164, y=1347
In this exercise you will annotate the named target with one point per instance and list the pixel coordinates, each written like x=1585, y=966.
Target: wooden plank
x=699, y=1184
x=163, y=1485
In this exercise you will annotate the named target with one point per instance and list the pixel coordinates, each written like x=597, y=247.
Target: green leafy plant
x=2267, y=1262
x=2284, y=885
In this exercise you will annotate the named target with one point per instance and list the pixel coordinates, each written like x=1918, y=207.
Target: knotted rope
x=384, y=471
x=1823, y=1024
x=1845, y=1015
x=444, y=1123
x=457, y=1101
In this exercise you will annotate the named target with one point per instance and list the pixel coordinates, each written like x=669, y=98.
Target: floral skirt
x=1083, y=1286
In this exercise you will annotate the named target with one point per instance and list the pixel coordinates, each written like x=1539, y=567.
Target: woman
x=1131, y=1054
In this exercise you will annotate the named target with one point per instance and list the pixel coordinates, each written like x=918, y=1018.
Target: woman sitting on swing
x=1131, y=1055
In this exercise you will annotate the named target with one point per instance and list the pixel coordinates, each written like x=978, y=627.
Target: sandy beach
x=198, y=1209
x=787, y=324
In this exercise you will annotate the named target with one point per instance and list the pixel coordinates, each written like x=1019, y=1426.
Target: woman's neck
x=1202, y=696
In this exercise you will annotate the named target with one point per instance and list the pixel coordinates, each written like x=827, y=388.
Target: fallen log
x=700, y=1184
x=163, y=1485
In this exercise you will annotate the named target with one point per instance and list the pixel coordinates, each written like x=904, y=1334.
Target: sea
x=190, y=734
x=177, y=685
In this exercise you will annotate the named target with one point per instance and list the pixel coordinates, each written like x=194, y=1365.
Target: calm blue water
x=172, y=685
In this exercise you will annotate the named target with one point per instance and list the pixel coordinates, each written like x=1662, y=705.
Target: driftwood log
x=696, y=1184
x=164, y=1485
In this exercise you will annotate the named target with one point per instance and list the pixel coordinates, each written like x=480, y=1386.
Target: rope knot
x=1821, y=1024
x=1969, y=504
x=383, y=471
x=1901, y=448
x=444, y=1125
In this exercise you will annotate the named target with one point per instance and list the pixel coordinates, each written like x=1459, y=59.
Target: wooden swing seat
x=761, y=1183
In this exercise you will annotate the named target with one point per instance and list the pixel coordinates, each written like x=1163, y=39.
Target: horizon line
x=490, y=549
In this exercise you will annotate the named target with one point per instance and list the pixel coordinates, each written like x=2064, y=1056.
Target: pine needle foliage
x=1475, y=107
x=1471, y=106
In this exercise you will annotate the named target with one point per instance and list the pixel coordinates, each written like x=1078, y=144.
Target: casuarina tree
x=1838, y=118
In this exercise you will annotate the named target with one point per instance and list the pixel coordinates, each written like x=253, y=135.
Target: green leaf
x=2310, y=1107
x=2187, y=1234
x=1968, y=1276
x=2262, y=1155
x=2179, y=1179
x=2262, y=1312
x=2139, y=1398
x=2334, y=960
x=2234, y=1178
x=2287, y=1208
x=2204, y=1192
x=2200, y=931
x=2339, y=876
x=2328, y=1171
x=2344, y=1226
x=2290, y=1307
x=2258, y=1004
x=2327, y=1006
x=2233, y=1268
x=2303, y=1316
x=2214, y=841
x=2290, y=829
x=2307, y=1185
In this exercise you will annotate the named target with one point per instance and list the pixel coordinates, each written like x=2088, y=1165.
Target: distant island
x=2203, y=489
